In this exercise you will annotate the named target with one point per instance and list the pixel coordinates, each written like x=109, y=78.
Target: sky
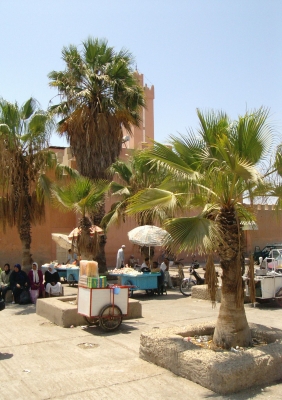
x=207, y=54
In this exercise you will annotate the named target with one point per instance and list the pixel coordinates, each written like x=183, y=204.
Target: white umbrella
x=62, y=240
x=148, y=235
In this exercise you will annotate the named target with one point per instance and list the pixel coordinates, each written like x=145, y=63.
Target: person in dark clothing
x=18, y=281
x=5, y=281
x=52, y=281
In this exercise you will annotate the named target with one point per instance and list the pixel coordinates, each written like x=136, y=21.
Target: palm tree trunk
x=25, y=237
x=232, y=328
x=101, y=255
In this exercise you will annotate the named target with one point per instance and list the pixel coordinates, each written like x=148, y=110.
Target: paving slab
x=40, y=360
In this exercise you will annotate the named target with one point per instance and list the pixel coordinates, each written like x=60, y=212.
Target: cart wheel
x=150, y=292
x=110, y=317
x=92, y=320
x=71, y=280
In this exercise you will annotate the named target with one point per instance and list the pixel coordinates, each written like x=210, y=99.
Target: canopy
x=62, y=240
x=148, y=235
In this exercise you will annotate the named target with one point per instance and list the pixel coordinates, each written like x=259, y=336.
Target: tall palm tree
x=99, y=97
x=213, y=171
x=24, y=159
x=82, y=195
x=128, y=179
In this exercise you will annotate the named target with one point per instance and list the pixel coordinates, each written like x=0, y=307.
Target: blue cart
x=145, y=281
x=72, y=276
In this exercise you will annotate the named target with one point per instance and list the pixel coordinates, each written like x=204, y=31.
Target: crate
x=95, y=283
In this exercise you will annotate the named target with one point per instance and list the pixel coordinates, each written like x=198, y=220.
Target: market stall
x=147, y=281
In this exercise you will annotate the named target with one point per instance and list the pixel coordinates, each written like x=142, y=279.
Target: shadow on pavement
x=5, y=356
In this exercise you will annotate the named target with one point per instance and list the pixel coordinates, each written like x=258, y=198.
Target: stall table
x=146, y=281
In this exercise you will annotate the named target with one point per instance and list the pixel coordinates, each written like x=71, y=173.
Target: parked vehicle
x=194, y=279
x=265, y=251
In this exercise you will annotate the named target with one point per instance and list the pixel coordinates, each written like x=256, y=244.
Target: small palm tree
x=212, y=172
x=128, y=179
x=82, y=196
x=24, y=159
x=99, y=97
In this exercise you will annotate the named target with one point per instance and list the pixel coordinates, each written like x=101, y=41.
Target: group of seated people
x=164, y=279
x=18, y=280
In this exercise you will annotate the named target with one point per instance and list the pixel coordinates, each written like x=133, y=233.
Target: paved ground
x=39, y=360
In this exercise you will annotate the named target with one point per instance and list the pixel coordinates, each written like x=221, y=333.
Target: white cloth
x=56, y=289
x=144, y=266
x=163, y=266
x=35, y=273
x=167, y=278
x=120, y=258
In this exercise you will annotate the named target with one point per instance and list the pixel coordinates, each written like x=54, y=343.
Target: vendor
x=145, y=267
x=72, y=258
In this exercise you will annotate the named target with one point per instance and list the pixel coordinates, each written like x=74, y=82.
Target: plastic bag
x=2, y=304
x=25, y=297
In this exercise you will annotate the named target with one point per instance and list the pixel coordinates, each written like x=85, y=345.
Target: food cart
x=147, y=281
x=269, y=287
x=72, y=276
x=103, y=306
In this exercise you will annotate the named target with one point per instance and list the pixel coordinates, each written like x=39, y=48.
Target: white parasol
x=148, y=235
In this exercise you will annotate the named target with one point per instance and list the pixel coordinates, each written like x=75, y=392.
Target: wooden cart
x=103, y=306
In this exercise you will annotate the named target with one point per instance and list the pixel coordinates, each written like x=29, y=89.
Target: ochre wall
x=43, y=248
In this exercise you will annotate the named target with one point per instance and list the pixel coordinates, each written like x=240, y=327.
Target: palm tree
x=82, y=196
x=128, y=179
x=24, y=159
x=212, y=172
x=100, y=96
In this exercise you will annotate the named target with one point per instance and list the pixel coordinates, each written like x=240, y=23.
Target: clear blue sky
x=207, y=54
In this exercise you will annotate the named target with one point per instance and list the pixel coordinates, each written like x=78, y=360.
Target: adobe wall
x=43, y=248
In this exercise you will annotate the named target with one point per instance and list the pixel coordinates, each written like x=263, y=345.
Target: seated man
x=145, y=267
x=165, y=269
x=5, y=280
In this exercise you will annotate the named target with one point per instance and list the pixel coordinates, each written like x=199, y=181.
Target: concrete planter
x=223, y=372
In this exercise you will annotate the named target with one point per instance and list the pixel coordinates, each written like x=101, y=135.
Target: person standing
x=5, y=280
x=165, y=268
x=120, y=257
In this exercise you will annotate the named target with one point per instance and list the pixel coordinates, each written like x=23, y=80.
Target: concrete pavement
x=40, y=360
